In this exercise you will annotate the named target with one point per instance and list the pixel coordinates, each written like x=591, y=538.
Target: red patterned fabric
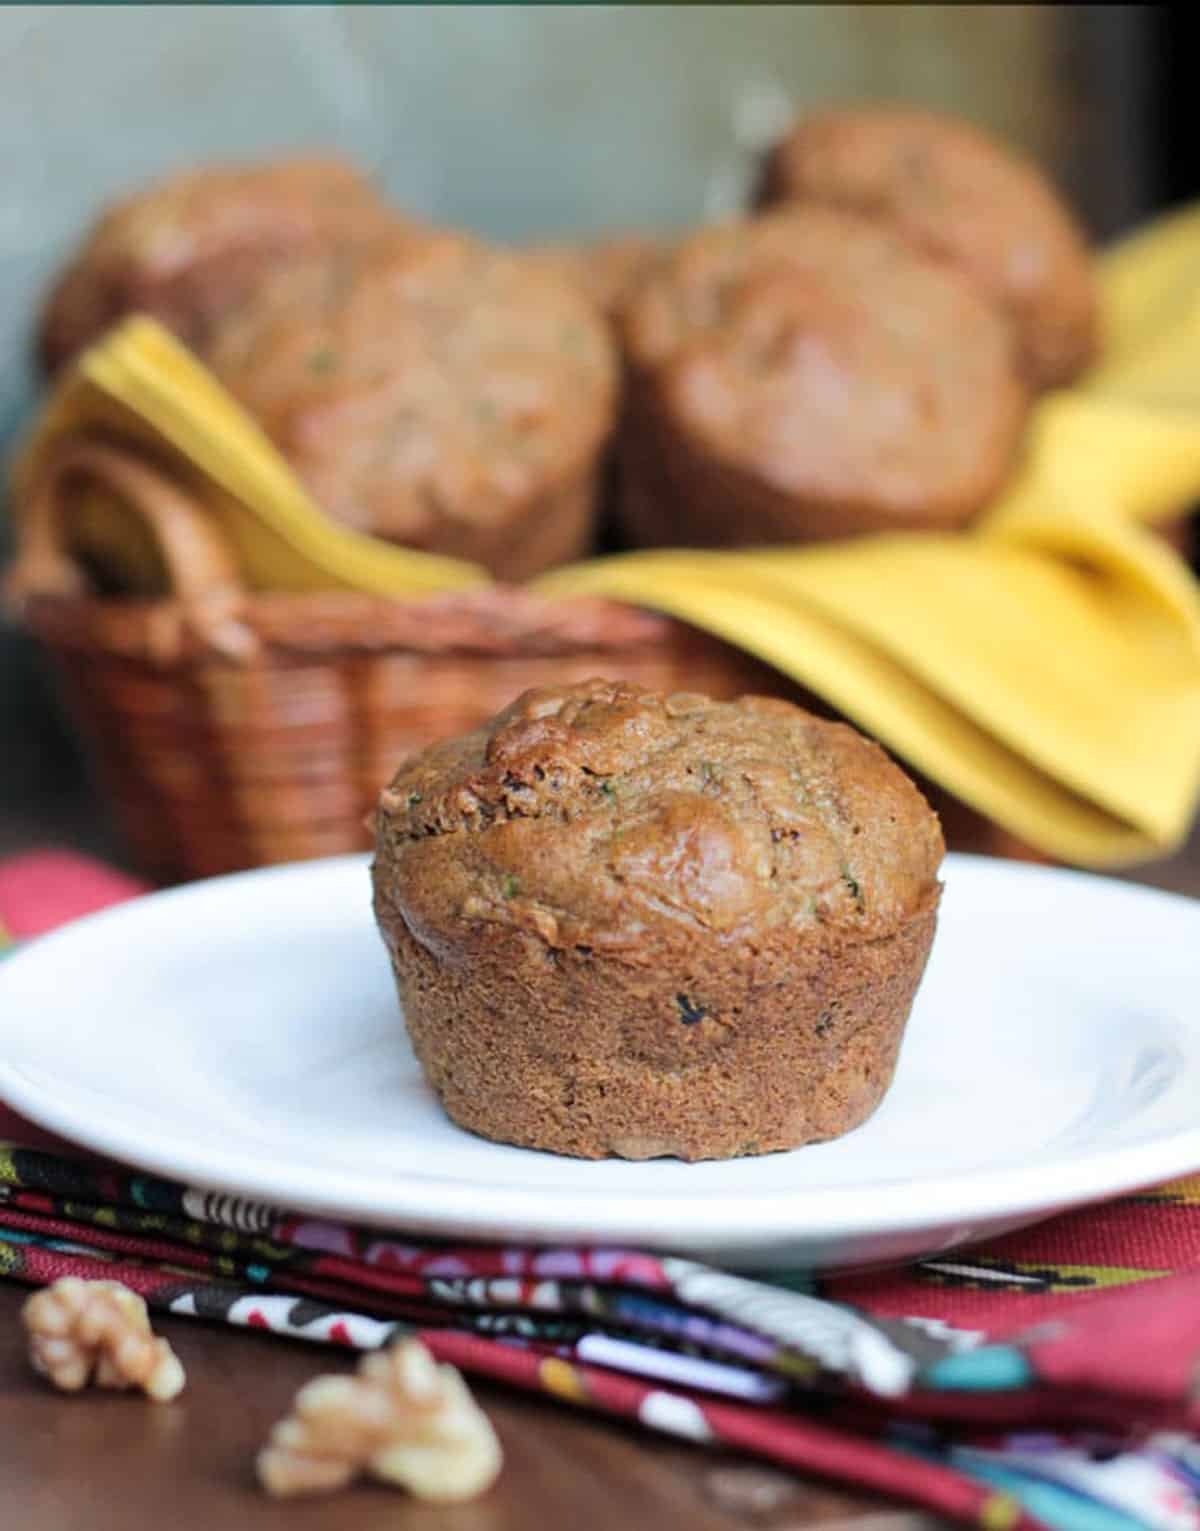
x=1045, y=1382
x=47, y=888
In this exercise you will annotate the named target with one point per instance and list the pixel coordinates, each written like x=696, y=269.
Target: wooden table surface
x=107, y=1463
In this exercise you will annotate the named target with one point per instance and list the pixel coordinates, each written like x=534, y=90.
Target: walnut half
x=402, y=1418
x=98, y=1331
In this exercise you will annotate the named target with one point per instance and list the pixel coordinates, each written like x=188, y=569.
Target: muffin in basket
x=432, y=391
x=808, y=374
x=635, y=924
x=964, y=198
x=188, y=248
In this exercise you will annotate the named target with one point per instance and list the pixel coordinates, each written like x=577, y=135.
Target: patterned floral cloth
x=1050, y=1380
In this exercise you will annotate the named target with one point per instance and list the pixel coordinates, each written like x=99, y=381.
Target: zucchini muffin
x=631, y=924
x=187, y=248
x=433, y=391
x=960, y=196
x=807, y=375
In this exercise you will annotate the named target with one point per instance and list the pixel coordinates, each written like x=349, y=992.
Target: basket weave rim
x=499, y=621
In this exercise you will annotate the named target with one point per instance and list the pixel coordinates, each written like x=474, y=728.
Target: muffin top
x=187, y=245
x=963, y=197
x=817, y=352
x=422, y=382
x=600, y=815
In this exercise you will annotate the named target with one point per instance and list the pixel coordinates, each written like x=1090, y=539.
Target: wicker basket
x=233, y=729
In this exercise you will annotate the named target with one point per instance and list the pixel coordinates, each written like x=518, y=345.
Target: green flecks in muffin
x=413, y=799
x=709, y=774
x=853, y=888
x=323, y=360
x=609, y=791
x=510, y=885
x=689, y=1012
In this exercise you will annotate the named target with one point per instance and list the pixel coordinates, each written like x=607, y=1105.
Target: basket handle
x=207, y=596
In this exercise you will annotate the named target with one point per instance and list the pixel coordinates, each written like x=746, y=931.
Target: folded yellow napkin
x=1044, y=667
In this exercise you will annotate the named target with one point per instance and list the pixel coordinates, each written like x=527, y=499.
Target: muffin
x=806, y=375
x=962, y=197
x=624, y=923
x=187, y=248
x=609, y=271
x=432, y=391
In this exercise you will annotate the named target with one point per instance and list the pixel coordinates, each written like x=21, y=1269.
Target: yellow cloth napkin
x=1044, y=667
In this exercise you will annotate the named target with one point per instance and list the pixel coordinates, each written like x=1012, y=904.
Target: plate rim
x=658, y=1219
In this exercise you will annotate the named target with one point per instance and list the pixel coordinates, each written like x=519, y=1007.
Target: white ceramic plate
x=243, y=1035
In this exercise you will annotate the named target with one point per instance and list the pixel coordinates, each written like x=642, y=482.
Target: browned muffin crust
x=807, y=374
x=961, y=196
x=433, y=391
x=633, y=924
x=187, y=248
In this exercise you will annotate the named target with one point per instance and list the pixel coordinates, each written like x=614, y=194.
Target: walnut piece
x=402, y=1418
x=98, y=1331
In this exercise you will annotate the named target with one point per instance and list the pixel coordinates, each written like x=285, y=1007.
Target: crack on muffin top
x=589, y=813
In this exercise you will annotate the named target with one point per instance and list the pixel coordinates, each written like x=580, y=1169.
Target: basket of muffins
x=857, y=353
